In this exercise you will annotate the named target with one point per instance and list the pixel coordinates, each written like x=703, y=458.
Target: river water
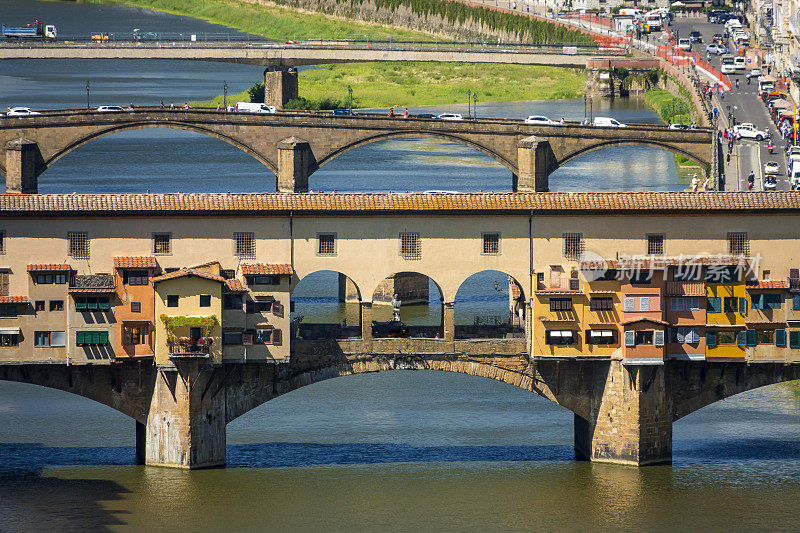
x=392, y=451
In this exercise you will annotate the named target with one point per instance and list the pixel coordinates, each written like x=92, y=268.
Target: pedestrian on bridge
x=391, y=111
x=405, y=113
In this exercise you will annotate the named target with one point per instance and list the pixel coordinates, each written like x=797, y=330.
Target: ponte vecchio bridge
x=294, y=144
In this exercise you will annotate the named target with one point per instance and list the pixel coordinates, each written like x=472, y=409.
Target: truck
x=35, y=30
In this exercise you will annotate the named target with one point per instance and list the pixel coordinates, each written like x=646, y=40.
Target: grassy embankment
x=667, y=106
x=375, y=84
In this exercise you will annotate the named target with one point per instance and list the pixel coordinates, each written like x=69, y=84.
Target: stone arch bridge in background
x=294, y=145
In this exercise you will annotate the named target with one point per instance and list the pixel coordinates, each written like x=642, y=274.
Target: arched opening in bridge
x=417, y=164
x=401, y=416
x=418, y=309
x=623, y=168
x=489, y=304
x=326, y=305
x=158, y=160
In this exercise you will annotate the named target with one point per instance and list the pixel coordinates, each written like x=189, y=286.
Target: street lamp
x=475, y=104
x=225, y=94
x=349, y=98
x=584, y=108
x=673, y=112
x=469, y=100
x=87, y=94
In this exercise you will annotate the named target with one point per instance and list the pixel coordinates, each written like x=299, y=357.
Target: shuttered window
x=780, y=337
x=741, y=338
x=796, y=302
x=751, y=337
x=644, y=304
x=629, y=304
x=711, y=338
x=605, y=303
x=561, y=304
x=658, y=337
x=794, y=338
x=4, y=283
x=630, y=338
x=714, y=304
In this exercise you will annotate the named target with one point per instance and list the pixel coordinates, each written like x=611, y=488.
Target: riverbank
x=416, y=84
x=673, y=109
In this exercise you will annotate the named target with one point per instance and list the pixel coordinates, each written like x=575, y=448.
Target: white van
x=608, y=122
x=794, y=175
x=728, y=65
x=248, y=107
x=631, y=12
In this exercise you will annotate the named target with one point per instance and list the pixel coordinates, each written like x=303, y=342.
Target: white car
x=716, y=49
x=685, y=44
x=540, y=119
x=110, y=109
x=450, y=116
x=21, y=112
x=770, y=182
x=749, y=131
x=771, y=168
x=740, y=63
x=755, y=73
x=793, y=153
x=728, y=65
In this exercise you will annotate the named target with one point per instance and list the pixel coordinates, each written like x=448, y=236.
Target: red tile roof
x=258, y=269
x=644, y=319
x=188, y=272
x=85, y=290
x=766, y=284
x=136, y=262
x=13, y=299
x=280, y=203
x=234, y=285
x=50, y=268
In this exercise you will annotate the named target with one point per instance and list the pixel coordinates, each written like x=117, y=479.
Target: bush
x=315, y=105
x=256, y=92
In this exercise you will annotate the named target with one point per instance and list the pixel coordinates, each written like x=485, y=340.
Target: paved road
x=744, y=102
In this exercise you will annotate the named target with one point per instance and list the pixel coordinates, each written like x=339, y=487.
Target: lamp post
x=584, y=109
x=349, y=98
x=673, y=112
x=590, y=111
x=469, y=100
x=475, y=104
x=87, y=94
x=225, y=94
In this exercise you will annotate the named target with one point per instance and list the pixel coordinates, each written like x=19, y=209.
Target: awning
x=9, y=331
x=264, y=325
x=262, y=295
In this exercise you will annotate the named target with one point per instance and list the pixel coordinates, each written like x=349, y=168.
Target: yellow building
x=726, y=310
x=188, y=312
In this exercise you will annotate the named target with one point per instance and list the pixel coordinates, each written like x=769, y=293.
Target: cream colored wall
x=188, y=289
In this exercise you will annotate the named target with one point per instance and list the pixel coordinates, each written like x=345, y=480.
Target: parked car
x=755, y=73
x=771, y=168
x=716, y=49
x=793, y=154
x=740, y=63
x=678, y=126
x=540, y=119
x=343, y=112
x=727, y=65
x=450, y=116
x=770, y=182
x=608, y=122
x=685, y=44
x=21, y=112
x=749, y=131
x=110, y=109
x=426, y=115
x=254, y=107
x=695, y=37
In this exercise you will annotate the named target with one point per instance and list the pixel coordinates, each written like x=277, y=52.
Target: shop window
x=601, y=336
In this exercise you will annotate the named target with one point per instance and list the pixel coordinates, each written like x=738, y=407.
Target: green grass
x=269, y=21
x=415, y=84
x=661, y=101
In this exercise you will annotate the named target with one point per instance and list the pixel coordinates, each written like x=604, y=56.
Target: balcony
x=93, y=283
x=686, y=288
x=189, y=350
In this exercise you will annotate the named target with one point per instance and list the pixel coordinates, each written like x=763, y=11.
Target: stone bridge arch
x=675, y=149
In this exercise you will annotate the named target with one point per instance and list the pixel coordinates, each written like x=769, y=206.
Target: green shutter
x=714, y=304
x=780, y=337
x=796, y=302
x=711, y=338
x=95, y=337
x=751, y=337
x=104, y=304
x=741, y=338
x=794, y=338
x=80, y=304
x=742, y=305
x=79, y=338
x=758, y=301
x=103, y=337
x=91, y=304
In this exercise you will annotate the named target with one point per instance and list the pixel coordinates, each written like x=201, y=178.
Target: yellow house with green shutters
x=188, y=313
x=726, y=310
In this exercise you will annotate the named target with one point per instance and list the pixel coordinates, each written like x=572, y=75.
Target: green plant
x=208, y=323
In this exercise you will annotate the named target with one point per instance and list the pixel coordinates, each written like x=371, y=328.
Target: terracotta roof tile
x=257, y=269
x=644, y=319
x=766, y=284
x=234, y=285
x=13, y=299
x=188, y=272
x=136, y=262
x=278, y=203
x=87, y=290
x=58, y=267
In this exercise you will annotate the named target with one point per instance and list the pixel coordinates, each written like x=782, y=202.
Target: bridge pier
x=185, y=427
x=449, y=321
x=295, y=164
x=535, y=162
x=280, y=86
x=366, y=323
x=630, y=420
x=22, y=161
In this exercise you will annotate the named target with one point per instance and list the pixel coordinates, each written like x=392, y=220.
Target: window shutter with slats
x=711, y=338
x=629, y=304
x=780, y=337
x=630, y=338
x=714, y=304
x=751, y=337
x=741, y=338
x=742, y=305
x=658, y=337
x=276, y=337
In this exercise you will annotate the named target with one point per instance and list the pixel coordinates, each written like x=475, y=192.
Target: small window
x=227, y=273
x=601, y=336
x=44, y=279
x=232, y=301
x=726, y=337
x=559, y=337
x=263, y=336
x=56, y=305
x=136, y=277
x=78, y=244
x=643, y=337
x=573, y=245
x=38, y=305
x=205, y=300
x=629, y=304
x=162, y=243
x=263, y=280
x=764, y=336
x=603, y=303
x=9, y=340
x=172, y=300
x=41, y=338
x=4, y=276
x=60, y=279
x=730, y=304
x=58, y=338
x=326, y=244
x=491, y=243
x=245, y=245
x=644, y=303
x=655, y=245
x=2, y=242
x=410, y=247
x=136, y=307
x=561, y=304
x=8, y=310
x=738, y=244
x=232, y=337
x=135, y=334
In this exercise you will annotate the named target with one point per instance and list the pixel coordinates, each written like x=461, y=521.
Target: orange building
x=134, y=306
